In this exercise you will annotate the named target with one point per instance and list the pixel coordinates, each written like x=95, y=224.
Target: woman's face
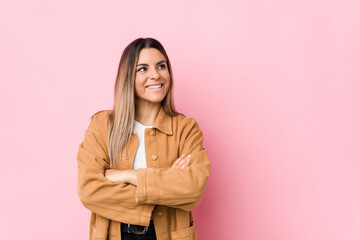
x=152, y=77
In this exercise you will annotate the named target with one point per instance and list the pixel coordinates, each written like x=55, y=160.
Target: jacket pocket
x=184, y=234
x=99, y=234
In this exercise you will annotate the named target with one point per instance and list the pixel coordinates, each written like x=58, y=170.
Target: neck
x=146, y=112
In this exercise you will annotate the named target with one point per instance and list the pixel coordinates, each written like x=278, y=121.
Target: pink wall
x=274, y=86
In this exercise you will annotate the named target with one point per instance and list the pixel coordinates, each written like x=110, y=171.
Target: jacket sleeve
x=95, y=191
x=177, y=187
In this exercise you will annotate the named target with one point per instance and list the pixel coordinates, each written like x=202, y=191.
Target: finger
x=177, y=161
x=185, y=161
x=181, y=161
x=186, y=164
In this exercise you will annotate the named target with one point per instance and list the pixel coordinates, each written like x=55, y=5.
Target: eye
x=162, y=66
x=142, y=69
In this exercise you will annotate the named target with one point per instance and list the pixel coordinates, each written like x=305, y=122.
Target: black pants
x=149, y=235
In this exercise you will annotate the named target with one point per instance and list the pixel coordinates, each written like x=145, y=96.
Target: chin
x=155, y=99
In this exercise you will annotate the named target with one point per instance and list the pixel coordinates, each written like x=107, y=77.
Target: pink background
x=274, y=86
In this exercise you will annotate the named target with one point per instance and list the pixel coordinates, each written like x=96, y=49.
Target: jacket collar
x=163, y=122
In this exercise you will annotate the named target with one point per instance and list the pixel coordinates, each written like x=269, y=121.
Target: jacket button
x=152, y=132
x=159, y=213
x=154, y=157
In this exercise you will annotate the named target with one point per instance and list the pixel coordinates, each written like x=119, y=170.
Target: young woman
x=142, y=167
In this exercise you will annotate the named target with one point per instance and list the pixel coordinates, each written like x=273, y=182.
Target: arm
x=95, y=191
x=177, y=187
x=127, y=176
x=130, y=176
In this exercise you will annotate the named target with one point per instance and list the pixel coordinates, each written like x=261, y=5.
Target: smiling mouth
x=155, y=86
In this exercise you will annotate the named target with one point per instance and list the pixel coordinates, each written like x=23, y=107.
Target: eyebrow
x=144, y=64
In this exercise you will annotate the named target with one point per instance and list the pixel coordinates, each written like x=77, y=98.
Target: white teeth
x=154, y=86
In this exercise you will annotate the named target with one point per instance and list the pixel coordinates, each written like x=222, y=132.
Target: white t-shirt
x=140, y=158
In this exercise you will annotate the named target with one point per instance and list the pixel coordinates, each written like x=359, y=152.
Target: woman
x=142, y=167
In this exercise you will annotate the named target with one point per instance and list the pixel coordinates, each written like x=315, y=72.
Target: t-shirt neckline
x=142, y=125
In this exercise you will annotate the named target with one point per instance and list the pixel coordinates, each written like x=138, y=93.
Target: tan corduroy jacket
x=167, y=194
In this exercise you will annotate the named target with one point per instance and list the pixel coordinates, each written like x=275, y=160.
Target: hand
x=181, y=162
x=125, y=176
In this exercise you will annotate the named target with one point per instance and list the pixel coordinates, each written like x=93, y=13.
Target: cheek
x=166, y=76
x=138, y=86
x=168, y=82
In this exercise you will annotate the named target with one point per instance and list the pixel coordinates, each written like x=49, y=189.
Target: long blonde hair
x=122, y=117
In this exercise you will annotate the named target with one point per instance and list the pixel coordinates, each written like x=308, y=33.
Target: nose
x=153, y=73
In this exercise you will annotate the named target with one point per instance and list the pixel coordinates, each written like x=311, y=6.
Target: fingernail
x=183, y=155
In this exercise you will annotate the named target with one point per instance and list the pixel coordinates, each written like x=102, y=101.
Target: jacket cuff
x=140, y=195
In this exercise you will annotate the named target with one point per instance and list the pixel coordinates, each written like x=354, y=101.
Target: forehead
x=150, y=55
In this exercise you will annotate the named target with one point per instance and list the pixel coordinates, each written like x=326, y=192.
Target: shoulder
x=187, y=131
x=182, y=123
x=101, y=115
x=99, y=121
x=96, y=134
